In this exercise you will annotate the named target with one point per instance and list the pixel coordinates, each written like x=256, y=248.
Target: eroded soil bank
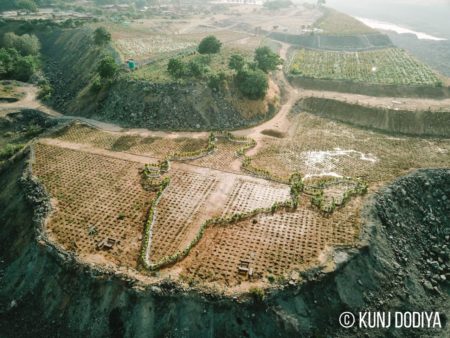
x=45, y=294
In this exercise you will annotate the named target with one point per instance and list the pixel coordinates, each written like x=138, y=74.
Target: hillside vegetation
x=386, y=66
x=204, y=96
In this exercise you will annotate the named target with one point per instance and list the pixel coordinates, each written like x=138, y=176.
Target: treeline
x=27, y=5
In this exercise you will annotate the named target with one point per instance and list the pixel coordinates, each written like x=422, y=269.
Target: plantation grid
x=99, y=197
x=96, y=198
x=273, y=244
x=391, y=66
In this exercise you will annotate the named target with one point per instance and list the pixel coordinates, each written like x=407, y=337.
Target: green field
x=387, y=66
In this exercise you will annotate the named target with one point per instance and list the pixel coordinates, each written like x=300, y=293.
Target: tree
x=253, y=83
x=237, y=62
x=266, y=60
x=209, y=45
x=101, y=36
x=176, y=68
x=25, y=67
x=107, y=68
x=28, y=5
x=197, y=68
x=8, y=58
x=25, y=44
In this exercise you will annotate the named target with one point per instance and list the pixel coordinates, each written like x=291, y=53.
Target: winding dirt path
x=279, y=123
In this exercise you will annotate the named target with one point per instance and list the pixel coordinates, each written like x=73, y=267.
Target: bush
x=9, y=150
x=253, y=84
x=176, y=68
x=216, y=81
x=45, y=91
x=96, y=86
x=266, y=60
x=107, y=68
x=101, y=36
x=257, y=293
x=197, y=68
x=25, y=68
x=237, y=62
x=209, y=45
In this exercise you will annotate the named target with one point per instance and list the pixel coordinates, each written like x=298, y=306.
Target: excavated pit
x=44, y=293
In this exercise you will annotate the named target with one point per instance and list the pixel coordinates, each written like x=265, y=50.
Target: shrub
x=216, y=81
x=176, y=68
x=96, y=86
x=237, y=62
x=9, y=150
x=107, y=67
x=196, y=68
x=253, y=84
x=45, y=91
x=209, y=45
x=257, y=293
x=101, y=36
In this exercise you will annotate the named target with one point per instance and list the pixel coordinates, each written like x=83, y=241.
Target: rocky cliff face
x=44, y=293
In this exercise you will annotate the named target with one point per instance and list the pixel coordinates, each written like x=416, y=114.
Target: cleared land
x=156, y=147
x=320, y=147
x=390, y=66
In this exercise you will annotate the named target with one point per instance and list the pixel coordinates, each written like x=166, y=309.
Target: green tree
x=8, y=59
x=209, y=45
x=253, y=84
x=176, y=68
x=25, y=67
x=25, y=44
x=266, y=60
x=237, y=62
x=28, y=5
x=107, y=68
x=101, y=36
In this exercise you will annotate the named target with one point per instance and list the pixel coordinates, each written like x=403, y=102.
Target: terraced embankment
x=44, y=292
x=420, y=123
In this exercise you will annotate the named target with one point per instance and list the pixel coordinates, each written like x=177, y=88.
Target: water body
x=386, y=26
x=418, y=26
x=426, y=19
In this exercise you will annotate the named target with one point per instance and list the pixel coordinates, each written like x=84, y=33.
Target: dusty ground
x=214, y=185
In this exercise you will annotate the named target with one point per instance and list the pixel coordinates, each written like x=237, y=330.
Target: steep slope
x=46, y=293
x=71, y=66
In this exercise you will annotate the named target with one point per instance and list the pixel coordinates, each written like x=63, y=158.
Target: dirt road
x=279, y=124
